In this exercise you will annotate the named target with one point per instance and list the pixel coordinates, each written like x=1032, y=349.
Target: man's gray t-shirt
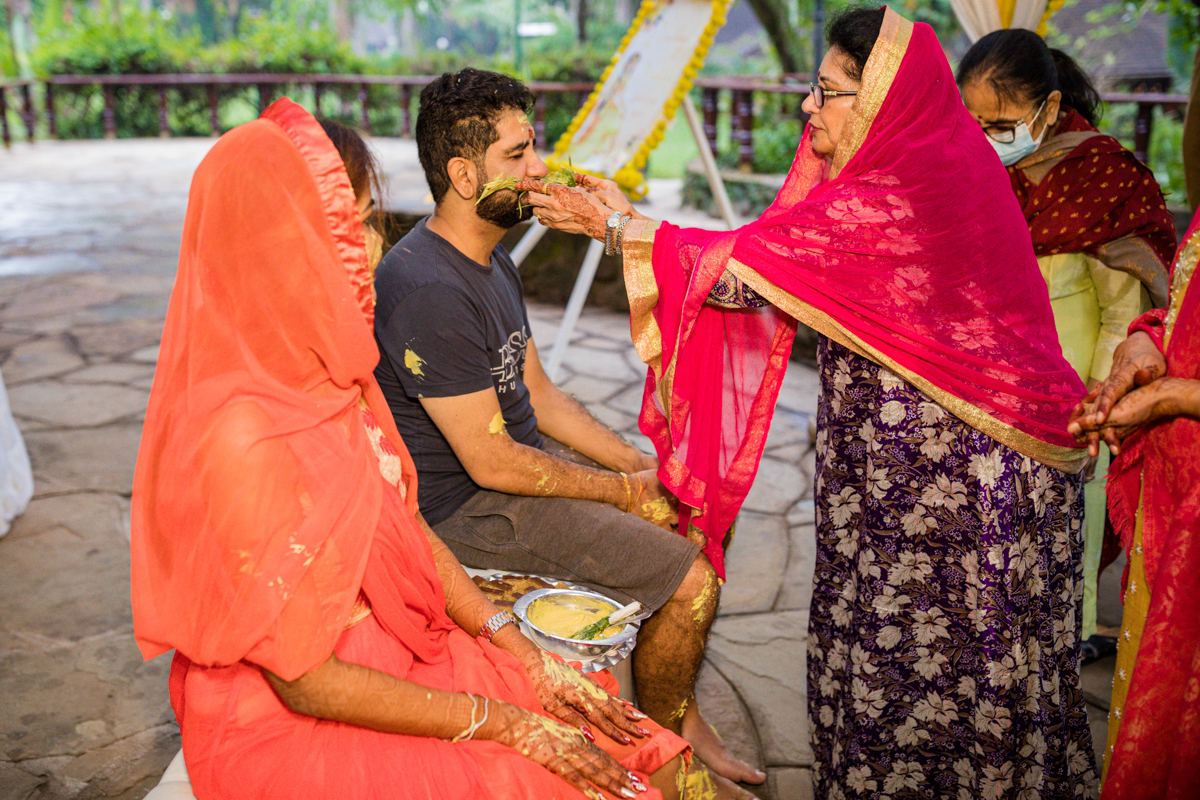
x=447, y=326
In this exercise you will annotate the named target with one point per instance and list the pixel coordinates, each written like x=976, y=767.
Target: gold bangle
x=472, y=726
x=628, y=493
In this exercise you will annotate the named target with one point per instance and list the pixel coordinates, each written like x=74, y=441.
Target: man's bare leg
x=667, y=661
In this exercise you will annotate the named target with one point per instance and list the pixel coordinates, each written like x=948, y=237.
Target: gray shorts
x=584, y=541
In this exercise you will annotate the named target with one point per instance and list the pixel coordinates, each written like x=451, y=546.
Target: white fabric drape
x=981, y=17
x=16, y=475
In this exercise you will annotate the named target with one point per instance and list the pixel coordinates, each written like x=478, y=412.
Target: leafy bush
x=133, y=44
x=1165, y=155
x=140, y=43
x=570, y=65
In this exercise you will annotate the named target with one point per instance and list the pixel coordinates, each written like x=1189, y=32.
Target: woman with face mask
x=1100, y=227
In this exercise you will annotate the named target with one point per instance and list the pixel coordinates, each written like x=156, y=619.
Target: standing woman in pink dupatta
x=944, y=626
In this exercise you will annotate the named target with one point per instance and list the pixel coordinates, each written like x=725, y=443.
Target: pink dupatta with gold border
x=909, y=248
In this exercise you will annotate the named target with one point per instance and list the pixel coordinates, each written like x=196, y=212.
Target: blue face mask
x=1022, y=144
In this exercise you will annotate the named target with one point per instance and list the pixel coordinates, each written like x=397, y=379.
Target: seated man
x=513, y=473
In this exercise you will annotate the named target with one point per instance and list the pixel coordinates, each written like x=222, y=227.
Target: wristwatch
x=494, y=624
x=610, y=233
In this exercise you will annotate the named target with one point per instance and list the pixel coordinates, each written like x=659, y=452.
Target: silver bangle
x=494, y=624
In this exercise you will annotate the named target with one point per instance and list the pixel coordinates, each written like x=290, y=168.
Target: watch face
x=614, y=219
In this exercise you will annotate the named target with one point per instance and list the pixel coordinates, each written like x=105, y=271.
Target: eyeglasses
x=820, y=93
x=1007, y=134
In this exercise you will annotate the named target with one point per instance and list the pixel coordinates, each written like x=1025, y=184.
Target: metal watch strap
x=620, y=238
x=610, y=231
x=497, y=621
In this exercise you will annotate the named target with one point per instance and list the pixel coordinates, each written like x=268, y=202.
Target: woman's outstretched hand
x=609, y=193
x=578, y=701
x=563, y=750
x=1136, y=362
x=572, y=210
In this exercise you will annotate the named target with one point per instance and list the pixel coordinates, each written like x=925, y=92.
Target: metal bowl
x=577, y=649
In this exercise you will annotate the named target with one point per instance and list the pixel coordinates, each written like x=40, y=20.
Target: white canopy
x=981, y=17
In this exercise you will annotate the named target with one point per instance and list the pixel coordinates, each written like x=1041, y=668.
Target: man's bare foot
x=712, y=751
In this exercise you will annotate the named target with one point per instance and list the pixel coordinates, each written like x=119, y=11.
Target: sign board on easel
x=626, y=117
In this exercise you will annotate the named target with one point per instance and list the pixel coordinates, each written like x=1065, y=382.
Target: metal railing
x=266, y=86
x=735, y=94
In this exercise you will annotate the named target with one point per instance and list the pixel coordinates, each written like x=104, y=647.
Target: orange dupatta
x=262, y=562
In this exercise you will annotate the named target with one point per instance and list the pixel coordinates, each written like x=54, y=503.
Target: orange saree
x=274, y=504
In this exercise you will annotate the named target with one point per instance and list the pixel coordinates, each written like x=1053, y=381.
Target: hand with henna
x=577, y=700
x=1161, y=399
x=609, y=193
x=567, y=209
x=561, y=749
x=1136, y=362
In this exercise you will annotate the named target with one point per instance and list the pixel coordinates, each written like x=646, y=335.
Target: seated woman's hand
x=577, y=700
x=572, y=210
x=561, y=749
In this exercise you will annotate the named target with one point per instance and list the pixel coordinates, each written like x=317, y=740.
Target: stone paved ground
x=89, y=237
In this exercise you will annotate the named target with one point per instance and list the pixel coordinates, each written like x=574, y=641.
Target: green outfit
x=1093, y=305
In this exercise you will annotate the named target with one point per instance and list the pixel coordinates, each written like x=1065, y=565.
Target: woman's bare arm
x=358, y=695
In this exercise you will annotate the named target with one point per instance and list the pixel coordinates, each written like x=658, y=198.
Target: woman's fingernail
x=627, y=792
x=636, y=714
x=587, y=732
x=643, y=732
x=626, y=738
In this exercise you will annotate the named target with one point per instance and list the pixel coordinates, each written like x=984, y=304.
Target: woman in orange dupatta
x=943, y=642
x=328, y=645
x=1148, y=411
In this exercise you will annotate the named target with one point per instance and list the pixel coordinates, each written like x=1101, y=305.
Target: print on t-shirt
x=512, y=361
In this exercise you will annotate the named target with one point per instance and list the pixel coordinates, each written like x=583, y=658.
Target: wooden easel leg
x=710, y=164
x=532, y=236
x=579, y=294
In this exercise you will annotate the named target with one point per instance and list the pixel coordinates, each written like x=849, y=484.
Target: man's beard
x=503, y=208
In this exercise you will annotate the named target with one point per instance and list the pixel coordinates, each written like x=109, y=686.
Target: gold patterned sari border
x=878, y=74
x=1185, y=266
x=641, y=287
x=1065, y=459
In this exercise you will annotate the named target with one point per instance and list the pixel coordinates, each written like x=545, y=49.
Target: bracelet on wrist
x=621, y=233
x=494, y=624
x=628, y=492
x=473, y=727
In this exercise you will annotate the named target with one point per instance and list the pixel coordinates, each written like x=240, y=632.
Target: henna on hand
x=609, y=193
x=563, y=750
x=563, y=208
x=575, y=699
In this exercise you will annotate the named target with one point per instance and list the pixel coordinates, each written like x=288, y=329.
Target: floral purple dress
x=944, y=631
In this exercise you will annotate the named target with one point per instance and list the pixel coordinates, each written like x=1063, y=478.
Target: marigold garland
x=629, y=177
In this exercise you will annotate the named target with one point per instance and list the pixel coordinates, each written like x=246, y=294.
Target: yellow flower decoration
x=629, y=177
